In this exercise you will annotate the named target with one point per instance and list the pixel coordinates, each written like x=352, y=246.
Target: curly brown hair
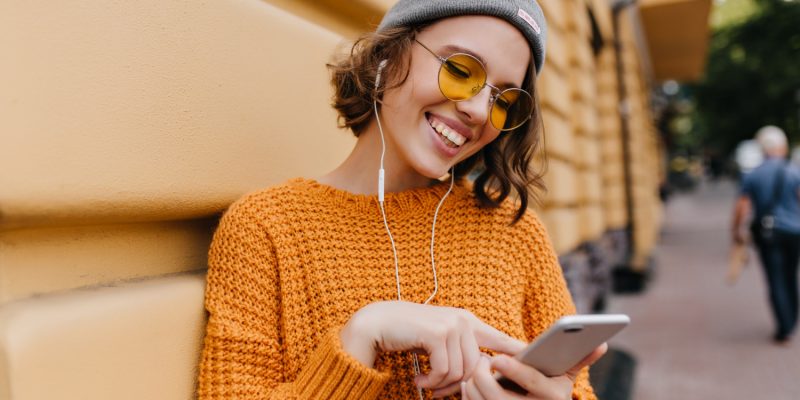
x=504, y=166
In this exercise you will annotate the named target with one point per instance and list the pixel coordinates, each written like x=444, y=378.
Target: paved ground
x=695, y=336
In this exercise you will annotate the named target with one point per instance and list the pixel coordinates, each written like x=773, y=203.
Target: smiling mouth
x=448, y=135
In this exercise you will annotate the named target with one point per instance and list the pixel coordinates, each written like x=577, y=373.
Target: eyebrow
x=453, y=48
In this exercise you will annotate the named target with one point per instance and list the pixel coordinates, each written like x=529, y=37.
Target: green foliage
x=752, y=78
x=729, y=12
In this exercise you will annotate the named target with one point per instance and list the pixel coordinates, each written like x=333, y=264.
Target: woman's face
x=414, y=114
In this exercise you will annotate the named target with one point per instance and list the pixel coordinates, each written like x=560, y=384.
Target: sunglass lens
x=511, y=109
x=461, y=77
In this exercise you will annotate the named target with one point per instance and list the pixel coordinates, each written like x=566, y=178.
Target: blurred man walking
x=773, y=190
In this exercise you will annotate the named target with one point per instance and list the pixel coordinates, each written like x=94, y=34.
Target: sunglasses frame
x=495, y=91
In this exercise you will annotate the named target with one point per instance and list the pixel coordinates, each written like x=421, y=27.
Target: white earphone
x=381, y=181
x=381, y=66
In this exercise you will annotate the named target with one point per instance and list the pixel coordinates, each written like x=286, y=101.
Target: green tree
x=752, y=78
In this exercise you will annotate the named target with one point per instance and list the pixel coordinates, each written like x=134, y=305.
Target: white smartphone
x=566, y=343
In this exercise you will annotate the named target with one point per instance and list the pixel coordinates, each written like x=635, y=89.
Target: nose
x=475, y=110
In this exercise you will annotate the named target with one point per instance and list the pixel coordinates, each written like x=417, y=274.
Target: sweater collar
x=412, y=200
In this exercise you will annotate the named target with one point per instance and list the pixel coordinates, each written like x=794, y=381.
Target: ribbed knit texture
x=289, y=265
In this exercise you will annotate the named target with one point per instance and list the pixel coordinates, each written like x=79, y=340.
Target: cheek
x=489, y=135
x=407, y=104
x=424, y=90
x=408, y=97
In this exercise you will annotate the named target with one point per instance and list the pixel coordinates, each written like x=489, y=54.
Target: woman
x=377, y=280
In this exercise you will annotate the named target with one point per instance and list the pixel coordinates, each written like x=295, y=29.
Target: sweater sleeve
x=547, y=298
x=243, y=355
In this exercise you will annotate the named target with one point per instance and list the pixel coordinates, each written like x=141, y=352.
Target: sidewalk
x=693, y=335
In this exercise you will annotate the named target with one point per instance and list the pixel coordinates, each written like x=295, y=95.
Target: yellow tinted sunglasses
x=462, y=77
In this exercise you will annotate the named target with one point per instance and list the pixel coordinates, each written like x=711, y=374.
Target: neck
x=358, y=173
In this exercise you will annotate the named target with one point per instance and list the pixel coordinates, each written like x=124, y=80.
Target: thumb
x=489, y=337
x=587, y=361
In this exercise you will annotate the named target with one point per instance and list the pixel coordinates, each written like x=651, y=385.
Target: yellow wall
x=126, y=128
x=645, y=146
x=609, y=124
x=585, y=179
x=566, y=101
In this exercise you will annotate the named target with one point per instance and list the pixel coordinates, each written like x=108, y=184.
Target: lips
x=447, y=132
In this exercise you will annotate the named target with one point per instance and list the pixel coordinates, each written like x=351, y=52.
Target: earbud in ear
x=381, y=66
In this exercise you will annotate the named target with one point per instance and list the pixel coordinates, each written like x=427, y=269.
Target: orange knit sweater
x=289, y=265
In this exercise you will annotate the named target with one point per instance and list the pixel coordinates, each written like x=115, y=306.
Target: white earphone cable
x=433, y=236
x=383, y=210
x=381, y=177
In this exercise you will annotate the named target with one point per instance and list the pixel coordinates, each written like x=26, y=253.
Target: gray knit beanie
x=525, y=15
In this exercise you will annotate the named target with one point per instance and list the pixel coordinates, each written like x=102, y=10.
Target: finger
x=448, y=390
x=454, y=370
x=470, y=353
x=489, y=337
x=595, y=355
x=439, y=365
x=527, y=377
x=455, y=360
x=471, y=387
x=486, y=384
x=472, y=391
x=464, y=394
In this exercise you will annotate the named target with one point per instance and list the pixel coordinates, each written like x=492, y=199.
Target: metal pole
x=624, y=111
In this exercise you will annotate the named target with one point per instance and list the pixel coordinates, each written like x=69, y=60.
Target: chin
x=433, y=171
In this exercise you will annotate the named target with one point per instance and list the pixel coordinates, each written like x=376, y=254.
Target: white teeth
x=450, y=134
x=454, y=137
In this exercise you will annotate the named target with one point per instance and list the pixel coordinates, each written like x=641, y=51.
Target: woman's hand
x=450, y=336
x=483, y=386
